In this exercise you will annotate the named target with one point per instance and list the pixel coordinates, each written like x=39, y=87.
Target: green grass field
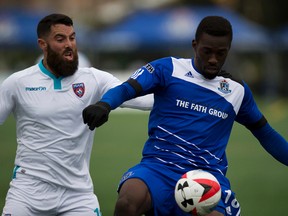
x=260, y=182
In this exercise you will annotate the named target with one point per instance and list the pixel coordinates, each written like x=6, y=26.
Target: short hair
x=44, y=26
x=215, y=26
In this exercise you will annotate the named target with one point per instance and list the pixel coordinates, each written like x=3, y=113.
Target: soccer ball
x=197, y=192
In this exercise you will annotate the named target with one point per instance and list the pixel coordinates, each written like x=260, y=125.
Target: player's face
x=61, y=50
x=210, y=54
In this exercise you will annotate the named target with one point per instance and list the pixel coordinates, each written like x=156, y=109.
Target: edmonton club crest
x=224, y=87
x=79, y=89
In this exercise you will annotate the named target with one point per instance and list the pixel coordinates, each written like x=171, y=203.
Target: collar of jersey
x=56, y=80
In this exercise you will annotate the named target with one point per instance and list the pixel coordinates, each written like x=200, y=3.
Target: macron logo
x=189, y=74
x=40, y=88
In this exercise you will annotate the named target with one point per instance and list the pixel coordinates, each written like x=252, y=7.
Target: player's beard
x=59, y=65
x=204, y=69
x=209, y=75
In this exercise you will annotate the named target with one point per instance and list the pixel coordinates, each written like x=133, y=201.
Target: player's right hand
x=96, y=114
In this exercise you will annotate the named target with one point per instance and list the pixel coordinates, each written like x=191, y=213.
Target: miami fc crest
x=79, y=89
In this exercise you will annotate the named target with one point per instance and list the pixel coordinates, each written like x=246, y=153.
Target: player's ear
x=42, y=44
x=194, y=43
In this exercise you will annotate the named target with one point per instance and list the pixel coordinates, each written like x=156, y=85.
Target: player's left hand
x=96, y=114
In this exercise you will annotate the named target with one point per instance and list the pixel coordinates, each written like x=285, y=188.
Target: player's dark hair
x=215, y=26
x=44, y=26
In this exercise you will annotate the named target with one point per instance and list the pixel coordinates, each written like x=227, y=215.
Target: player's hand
x=96, y=114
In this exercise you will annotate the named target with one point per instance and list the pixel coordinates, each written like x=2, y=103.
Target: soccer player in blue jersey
x=195, y=106
x=51, y=175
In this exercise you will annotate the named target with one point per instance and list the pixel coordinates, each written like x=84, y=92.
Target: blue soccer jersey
x=189, y=128
x=192, y=117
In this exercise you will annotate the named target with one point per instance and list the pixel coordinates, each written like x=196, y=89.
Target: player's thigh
x=232, y=205
x=215, y=213
x=30, y=196
x=79, y=203
x=15, y=208
x=88, y=213
x=136, y=192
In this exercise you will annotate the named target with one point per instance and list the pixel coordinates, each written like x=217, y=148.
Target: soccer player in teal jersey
x=51, y=175
x=195, y=106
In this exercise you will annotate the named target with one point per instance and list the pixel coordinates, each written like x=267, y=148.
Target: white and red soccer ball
x=198, y=192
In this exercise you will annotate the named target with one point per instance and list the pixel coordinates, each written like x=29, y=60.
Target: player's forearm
x=273, y=143
x=97, y=114
x=142, y=103
x=118, y=95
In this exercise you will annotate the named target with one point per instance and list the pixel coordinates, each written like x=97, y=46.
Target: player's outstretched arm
x=272, y=142
x=97, y=114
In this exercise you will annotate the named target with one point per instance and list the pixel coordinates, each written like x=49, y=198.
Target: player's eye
x=206, y=51
x=59, y=39
x=72, y=38
x=221, y=53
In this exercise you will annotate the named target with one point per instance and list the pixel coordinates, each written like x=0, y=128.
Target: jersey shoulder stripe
x=223, y=85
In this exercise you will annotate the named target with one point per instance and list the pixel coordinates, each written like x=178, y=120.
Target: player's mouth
x=212, y=70
x=68, y=55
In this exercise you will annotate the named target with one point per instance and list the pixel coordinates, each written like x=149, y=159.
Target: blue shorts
x=161, y=181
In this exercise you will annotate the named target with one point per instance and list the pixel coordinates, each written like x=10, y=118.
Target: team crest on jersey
x=79, y=89
x=224, y=87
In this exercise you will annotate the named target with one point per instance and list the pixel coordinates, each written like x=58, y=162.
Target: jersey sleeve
x=153, y=75
x=272, y=142
x=104, y=81
x=249, y=114
x=142, y=82
x=7, y=101
x=251, y=117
